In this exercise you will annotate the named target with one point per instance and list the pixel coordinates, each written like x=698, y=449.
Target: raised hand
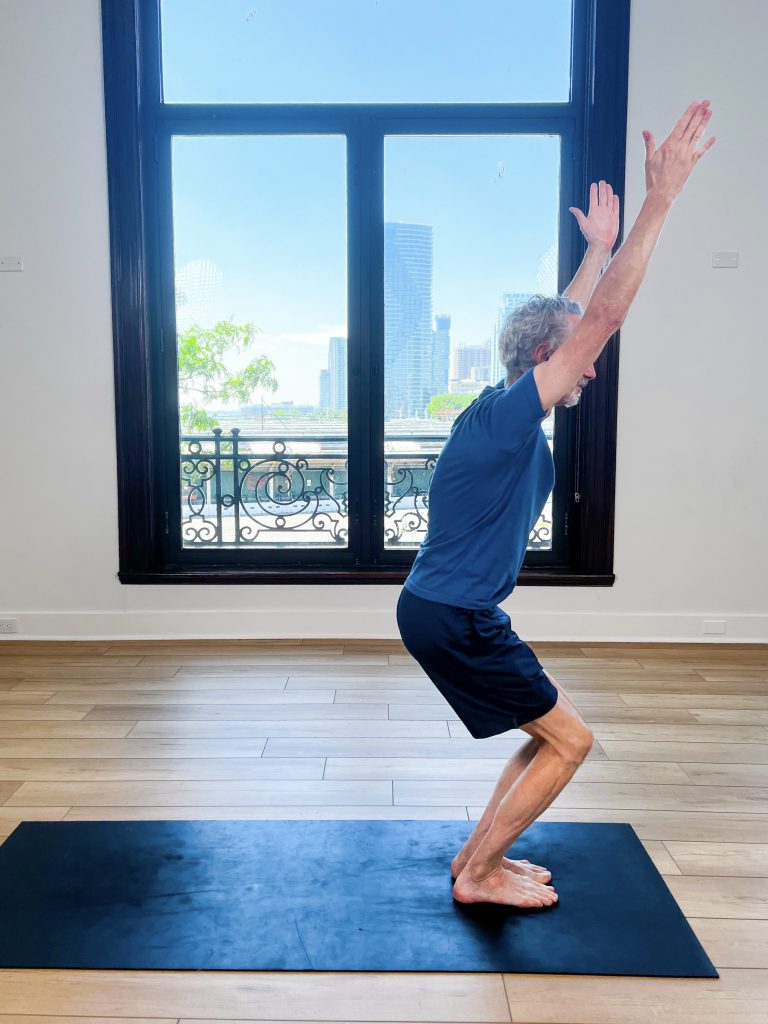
x=667, y=168
x=600, y=226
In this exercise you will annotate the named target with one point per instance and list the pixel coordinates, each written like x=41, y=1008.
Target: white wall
x=692, y=451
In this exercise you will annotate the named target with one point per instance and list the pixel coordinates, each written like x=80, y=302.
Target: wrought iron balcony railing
x=291, y=491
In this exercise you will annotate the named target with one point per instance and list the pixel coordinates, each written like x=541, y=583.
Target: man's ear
x=542, y=352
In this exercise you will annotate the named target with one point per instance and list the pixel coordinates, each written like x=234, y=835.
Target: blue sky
x=270, y=212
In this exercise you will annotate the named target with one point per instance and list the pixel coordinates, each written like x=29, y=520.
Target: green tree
x=448, y=403
x=203, y=371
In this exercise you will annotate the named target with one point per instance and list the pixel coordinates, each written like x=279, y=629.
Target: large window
x=321, y=213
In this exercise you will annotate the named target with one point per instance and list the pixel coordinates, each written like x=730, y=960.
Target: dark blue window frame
x=140, y=127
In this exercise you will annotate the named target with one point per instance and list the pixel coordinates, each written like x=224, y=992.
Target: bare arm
x=667, y=170
x=600, y=227
x=586, y=277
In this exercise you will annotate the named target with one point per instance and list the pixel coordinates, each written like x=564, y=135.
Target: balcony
x=263, y=491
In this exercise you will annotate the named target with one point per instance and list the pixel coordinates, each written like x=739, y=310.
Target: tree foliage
x=448, y=403
x=203, y=371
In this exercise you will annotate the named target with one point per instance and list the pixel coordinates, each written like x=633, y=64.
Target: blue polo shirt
x=491, y=481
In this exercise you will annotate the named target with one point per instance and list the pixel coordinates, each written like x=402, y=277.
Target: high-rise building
x=509, y=302
x=408, y=361
x=337, y=374
x=465, y=357
x=325, y=390
x=441, y=349
x=546, y=275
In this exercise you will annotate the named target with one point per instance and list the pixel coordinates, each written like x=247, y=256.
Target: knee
x=574, y=745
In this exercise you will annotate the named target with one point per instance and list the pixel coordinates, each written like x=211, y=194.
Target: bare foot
x=521, y=867
x=505, y=887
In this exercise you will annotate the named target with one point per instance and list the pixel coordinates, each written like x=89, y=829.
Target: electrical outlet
x=9, y=625
x=725, y=259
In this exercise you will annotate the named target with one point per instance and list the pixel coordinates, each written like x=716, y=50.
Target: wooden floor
x=334, y=729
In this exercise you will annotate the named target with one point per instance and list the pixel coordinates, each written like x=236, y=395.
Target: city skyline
x=429, y=364
x=287, y=273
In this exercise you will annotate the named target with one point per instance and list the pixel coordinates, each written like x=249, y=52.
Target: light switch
x=10, y=263
x=725, y=259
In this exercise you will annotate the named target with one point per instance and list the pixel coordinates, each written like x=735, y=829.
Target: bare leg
x=564, y=741
x=512, y=770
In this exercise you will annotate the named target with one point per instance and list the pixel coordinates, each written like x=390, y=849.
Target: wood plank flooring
x=353, y=729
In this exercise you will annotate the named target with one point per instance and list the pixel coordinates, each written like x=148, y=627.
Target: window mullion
x=376, y=299
x=361, y=202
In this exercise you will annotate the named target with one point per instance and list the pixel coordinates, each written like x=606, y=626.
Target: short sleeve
x=517, y=412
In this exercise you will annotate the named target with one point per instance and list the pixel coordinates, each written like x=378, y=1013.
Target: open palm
x=600, y=226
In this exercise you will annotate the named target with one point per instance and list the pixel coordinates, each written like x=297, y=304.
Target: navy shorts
x=489, y=676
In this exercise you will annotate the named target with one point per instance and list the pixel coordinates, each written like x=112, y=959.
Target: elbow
x=609, y=318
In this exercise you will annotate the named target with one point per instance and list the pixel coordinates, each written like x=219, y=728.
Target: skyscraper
x=546, y=276
x=408, y=360
x=441, y=351
x=509, y=302
x=337, y=374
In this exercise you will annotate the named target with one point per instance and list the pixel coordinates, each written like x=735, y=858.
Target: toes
x=548, y=890
x=527, y=868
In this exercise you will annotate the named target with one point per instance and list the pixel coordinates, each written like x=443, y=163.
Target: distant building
x=198, y=288
x=464, y=387
x=481, y=374
x=441, y=348
x=546, y=276
x=337, y=374
x=408, y=359
x=509, y=302
x=466, y=357
x=325, y=390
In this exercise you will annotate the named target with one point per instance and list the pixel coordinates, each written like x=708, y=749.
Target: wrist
x=661, y=197
x=599, y=249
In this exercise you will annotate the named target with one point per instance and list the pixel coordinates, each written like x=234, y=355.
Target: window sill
x=180, y=574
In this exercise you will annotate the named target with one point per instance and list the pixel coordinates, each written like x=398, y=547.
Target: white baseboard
x=365, y=624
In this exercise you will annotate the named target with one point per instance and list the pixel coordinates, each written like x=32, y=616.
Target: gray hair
x=541, y=318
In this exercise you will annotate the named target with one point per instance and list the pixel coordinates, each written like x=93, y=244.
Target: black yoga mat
x=328, y=896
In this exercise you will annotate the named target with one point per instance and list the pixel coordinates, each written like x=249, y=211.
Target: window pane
x=470, y=232
x=366, y=51
x=260, y=274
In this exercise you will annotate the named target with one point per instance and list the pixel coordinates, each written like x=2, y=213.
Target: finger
x=616, y=204
x=581, y=219
x=592, y=195
x=699, y=130
x=608, y=193
x=707, y=145
x=699, y=120
x=701, y=108
x=679, y=129
x=650, y=144
x=601, y=193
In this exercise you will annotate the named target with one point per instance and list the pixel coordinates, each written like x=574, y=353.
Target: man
x=489, y=486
